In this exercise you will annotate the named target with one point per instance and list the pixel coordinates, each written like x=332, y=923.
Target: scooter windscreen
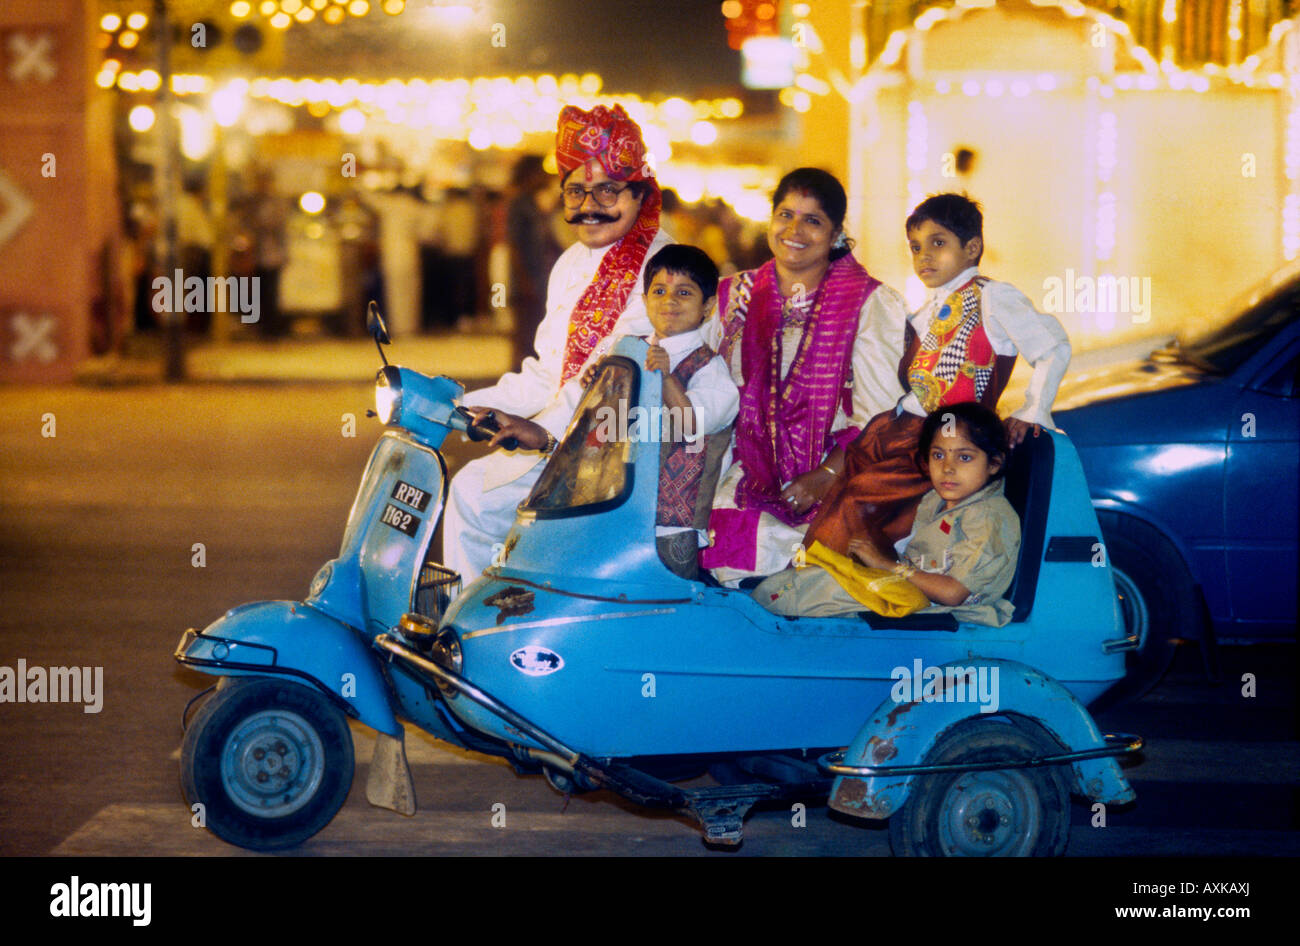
x=591, y=469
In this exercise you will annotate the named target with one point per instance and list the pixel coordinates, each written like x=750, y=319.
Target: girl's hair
x=826, y=189
x=980, y=425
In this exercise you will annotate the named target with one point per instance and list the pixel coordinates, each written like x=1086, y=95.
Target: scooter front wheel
x=269, y=761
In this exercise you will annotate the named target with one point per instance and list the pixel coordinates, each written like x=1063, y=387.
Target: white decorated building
x=1133, y=191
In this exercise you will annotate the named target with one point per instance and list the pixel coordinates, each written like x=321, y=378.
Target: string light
x=141, y=118
x=1152, y=73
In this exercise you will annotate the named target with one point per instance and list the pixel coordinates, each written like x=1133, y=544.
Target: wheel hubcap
x=273, y=763
x=989, y=814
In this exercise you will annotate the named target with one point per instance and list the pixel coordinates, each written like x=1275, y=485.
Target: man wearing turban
x=593, y=296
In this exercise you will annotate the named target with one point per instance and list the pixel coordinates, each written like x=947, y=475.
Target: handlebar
x=485, y=428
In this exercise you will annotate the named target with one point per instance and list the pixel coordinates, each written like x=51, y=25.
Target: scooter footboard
x=874, y=776
x=292, y=639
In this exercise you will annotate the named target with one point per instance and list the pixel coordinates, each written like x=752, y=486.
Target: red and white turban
x=608, y=136
x=605, y=134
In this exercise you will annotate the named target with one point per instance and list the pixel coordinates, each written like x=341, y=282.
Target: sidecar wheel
x=999, y=813
x=270, y=762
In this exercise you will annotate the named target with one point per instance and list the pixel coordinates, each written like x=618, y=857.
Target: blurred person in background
x=267, y=216
x=460, y=232
x=404, y=218
x=533, y=249
x=194, y=236
x=680, y=220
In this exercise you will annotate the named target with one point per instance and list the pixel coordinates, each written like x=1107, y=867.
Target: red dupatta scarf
x=603, y=301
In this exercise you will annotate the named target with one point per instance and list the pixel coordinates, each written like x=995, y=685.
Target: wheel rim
x=273, y=763
x=990, y=814
x=1132, y=606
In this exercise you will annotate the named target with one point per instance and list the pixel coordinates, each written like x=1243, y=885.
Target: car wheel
x=270, y=762
x=1157, y=600
x=992, y=813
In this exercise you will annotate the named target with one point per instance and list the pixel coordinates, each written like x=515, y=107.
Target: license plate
x=400, y=519
x=410, y=495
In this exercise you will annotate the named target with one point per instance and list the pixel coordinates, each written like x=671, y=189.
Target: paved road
x=98, y=567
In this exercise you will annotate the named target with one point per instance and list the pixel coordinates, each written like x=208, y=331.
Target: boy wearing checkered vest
x=960, y=346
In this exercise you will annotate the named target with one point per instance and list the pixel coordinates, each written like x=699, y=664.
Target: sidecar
x=579, y=652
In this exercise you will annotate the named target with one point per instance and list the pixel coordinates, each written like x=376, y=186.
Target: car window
x=591, y=468
x=1227, y=347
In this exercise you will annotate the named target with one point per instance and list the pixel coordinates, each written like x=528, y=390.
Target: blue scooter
x=580, y=655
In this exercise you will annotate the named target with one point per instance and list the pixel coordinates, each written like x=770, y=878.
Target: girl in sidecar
x=961, y=555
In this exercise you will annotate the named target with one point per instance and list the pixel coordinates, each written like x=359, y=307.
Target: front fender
x=903, y=731
x=289, y=638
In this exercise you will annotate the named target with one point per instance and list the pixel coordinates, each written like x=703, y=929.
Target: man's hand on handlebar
x=529, y=436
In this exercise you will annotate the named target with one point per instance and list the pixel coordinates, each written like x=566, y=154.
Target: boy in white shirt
x=958, y=347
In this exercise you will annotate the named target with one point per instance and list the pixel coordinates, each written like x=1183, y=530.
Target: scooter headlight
x=388, y=395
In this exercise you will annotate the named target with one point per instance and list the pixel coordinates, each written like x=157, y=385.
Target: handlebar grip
x=487, y=426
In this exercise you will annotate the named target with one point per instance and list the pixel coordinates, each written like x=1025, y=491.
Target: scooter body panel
x=920, y=708
x=371, y=583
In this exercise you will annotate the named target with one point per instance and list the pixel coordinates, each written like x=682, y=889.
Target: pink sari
x=784, y=426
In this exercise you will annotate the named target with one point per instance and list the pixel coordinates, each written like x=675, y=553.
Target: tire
x=1158, y=601
x=998, y=813
x=255, y=732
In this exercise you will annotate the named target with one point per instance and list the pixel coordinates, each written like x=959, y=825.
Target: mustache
x=596, y=217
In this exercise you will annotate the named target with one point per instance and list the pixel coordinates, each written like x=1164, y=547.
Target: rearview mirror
x=375, y=324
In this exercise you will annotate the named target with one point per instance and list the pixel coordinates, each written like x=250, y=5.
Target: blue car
x=1192, y=462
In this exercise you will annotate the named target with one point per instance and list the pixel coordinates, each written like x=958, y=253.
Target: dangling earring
x=841, y=241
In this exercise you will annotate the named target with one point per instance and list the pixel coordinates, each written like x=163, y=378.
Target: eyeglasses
x=604, y=193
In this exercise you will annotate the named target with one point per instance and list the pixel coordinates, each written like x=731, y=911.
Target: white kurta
x=484, y=495
x=1013, y=326
x=877, y=350
x=713, y=395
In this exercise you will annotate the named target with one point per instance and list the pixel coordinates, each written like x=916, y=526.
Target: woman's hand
x=807, y=490
x=869, y=554
x=1017, y=430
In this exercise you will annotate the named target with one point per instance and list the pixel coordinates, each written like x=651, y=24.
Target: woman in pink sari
x=813, y=342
